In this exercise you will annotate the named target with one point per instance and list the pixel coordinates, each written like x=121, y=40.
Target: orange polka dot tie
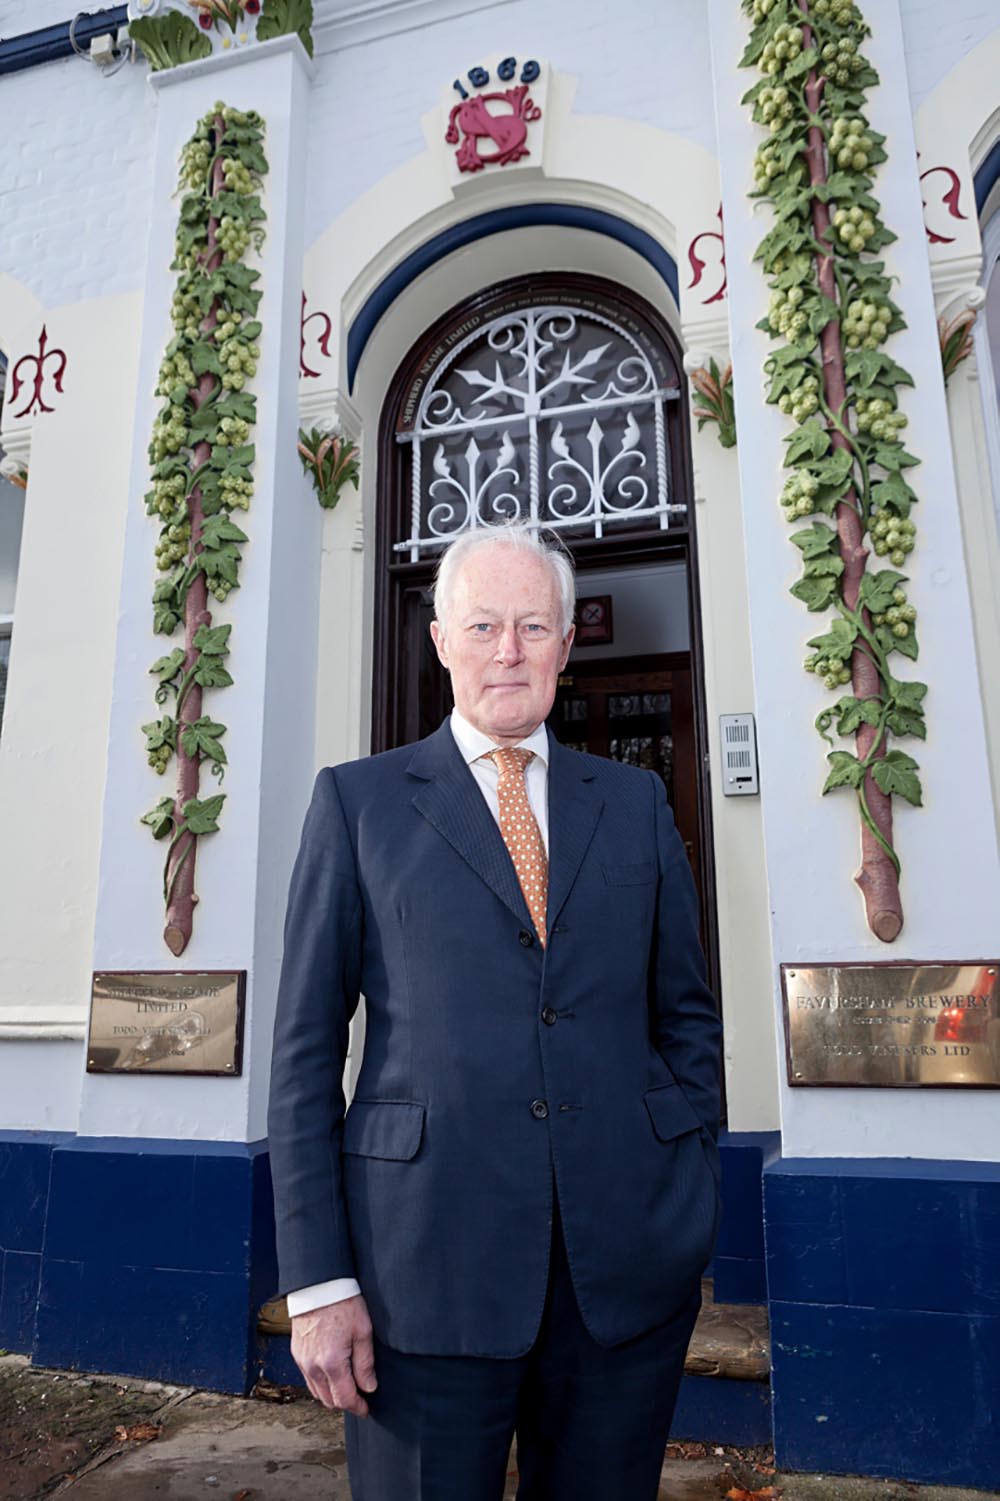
x=520, y=830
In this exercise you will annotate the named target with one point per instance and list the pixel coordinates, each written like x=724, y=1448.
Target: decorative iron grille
x=553, y=415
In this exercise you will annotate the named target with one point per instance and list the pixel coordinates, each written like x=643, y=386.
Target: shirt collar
x=473, y=743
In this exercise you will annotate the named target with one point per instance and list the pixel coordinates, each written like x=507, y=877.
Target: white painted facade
x=642, y=120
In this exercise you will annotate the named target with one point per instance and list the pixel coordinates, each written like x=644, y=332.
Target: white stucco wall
x=75, y=178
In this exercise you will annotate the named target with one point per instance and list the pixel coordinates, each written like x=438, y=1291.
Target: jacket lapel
x=450, y=800
x=575, y=805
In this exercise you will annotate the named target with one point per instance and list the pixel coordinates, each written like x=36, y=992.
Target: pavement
x=107, y=1438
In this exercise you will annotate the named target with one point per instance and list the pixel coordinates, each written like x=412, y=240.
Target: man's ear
x=567, y=644
x=440, y=644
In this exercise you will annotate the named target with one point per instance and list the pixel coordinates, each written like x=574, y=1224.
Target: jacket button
x=525, y=939
x=539, y=1109
x=548, y=1016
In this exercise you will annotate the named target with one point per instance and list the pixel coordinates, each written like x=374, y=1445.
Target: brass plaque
x=903, y=1026
x=166, y=1022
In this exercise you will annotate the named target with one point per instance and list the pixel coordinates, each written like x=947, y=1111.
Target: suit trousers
x=591, y=1421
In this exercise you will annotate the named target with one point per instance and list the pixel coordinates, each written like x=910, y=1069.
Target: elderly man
x=505, y=1233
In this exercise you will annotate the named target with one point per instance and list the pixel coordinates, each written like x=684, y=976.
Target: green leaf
x=822, y=311
x=164, y=620
x=907, y=722
x=252, y=157
x=167, y=667
x=838, y=640
x=893, y=457
x=160, y=732
x=815, y=540
x=907, y=646
x=210, y=673
x=897, y=772
x=201, y=814
x=212, y=640
x=282, y=16
x=815, y=592
x=894, y=494
x=752, y=93
x=837, y=185
x=907, y=693
x=854, y=712
x=754, y=48
x=202, y=735
x=800, y=67
x=876, y=589
x=205, y=357
x=220, y=529
x=229, y=568
x=819, y=567
x=160, y=818
x=238, y=404
x=810, y=441
x=845, y=771
x=863, y=365
x=205, y=420
x=836, y=469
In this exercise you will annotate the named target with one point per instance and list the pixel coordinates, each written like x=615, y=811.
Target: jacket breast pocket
x=636, y=873
x=383, y=1128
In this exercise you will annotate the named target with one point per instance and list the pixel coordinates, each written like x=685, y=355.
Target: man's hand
x=332, y=1347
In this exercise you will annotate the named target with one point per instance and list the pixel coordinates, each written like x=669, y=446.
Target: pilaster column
x=189, y=1149
x=865, y=1172
x=812, y=841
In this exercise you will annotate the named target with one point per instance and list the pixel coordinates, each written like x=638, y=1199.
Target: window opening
x=554, y=414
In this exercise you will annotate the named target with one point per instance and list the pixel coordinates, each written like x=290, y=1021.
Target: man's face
x=503, y=646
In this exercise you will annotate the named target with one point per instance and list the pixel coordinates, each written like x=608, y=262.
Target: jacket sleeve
x=686, y=1029
x=318, y=993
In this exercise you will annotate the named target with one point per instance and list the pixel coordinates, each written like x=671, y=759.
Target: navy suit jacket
x=489, y=1059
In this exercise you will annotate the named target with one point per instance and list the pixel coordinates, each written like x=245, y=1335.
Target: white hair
x=515, y=534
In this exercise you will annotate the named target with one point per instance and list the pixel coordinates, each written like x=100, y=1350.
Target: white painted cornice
x=36, y=1029
x=339, y=24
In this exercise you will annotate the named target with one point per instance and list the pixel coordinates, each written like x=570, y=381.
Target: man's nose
x=509, y=646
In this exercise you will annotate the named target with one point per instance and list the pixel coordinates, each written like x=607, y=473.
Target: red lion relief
x=509, y=132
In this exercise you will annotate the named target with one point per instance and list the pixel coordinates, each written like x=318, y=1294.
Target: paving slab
x=96, y=1438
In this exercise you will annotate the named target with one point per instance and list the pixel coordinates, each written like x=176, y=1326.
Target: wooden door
x=638, y=710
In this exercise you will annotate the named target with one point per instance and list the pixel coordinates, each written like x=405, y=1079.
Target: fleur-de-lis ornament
x=39, y=361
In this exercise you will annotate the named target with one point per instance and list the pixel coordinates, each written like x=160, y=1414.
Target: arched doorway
x=559, y=400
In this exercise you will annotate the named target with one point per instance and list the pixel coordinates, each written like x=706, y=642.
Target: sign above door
x=493, y=118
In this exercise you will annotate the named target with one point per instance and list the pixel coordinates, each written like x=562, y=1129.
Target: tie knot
x=511, y=759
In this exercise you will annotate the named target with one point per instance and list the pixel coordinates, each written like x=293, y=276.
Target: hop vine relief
x=830, y=305
x=202, y=462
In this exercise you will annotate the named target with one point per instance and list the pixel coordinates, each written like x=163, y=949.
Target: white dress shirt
x=473, y=745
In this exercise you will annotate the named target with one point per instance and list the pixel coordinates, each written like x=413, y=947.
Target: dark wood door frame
x=678, y=543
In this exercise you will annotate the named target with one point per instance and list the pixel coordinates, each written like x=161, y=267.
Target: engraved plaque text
x=897, y=1025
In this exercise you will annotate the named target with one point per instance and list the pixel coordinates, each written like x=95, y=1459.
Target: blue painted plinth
x=716, y=1410
x=145, y=1258
x=884, y=1280
x=25, y=1167
x=738, y=1265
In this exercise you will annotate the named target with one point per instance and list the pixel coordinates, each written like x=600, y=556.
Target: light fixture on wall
x=111, y=50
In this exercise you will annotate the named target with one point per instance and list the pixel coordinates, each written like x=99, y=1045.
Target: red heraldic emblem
x=472, y=118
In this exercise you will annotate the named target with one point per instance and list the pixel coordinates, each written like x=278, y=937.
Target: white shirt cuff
x=318, y=1294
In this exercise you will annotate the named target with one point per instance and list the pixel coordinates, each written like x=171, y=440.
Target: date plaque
x=903, y=1026
x=166, y=1022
